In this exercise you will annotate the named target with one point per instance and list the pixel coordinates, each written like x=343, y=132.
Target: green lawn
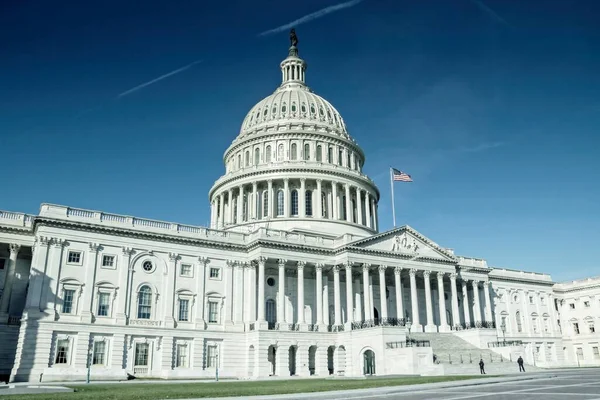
x=155, y=391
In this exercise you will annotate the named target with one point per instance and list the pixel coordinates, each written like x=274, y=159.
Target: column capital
x=286, y=180
x=14, y=249
x=56, y=242
x=204, y=260
x=440, y=275
x=302, y=180
x=382, y=268
x=281, y=262
x=348, y=265
x=230, y=263
x=475, y=283
x=412, y=272
x=254, y=185
x=261, y=261
x=319, y=266
x=366, y=267
x=300, y=265
x=173, y=257
x=127, y=251
x=94, y=247
x=336, y=269
x=426, y=274
x=270, y=182
x=453, y=275
x=319, y=181
x=397, y=270
x=42, y=240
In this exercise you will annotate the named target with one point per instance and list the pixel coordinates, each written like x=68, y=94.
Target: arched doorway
x=330, y=352
x=312, y=355
x=375, y=314
x=272, y=357
x=369, y=362
x=292, y=360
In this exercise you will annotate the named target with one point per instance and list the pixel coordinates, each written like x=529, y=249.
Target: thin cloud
x=160, y=78
x=482, y=147
x=307, y=18
x=486, y=9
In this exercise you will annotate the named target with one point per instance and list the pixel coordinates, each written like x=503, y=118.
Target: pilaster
x=125, y=277
x=87, y=310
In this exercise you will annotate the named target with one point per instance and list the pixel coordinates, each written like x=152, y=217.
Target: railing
x=15, y=219
x=474, y=325
x=144, y=322
x=272, y=326
x=313, y=328
x=140, y=370
x=469, y=358
x=408, y=343
x=294, y=327
x=506, y=343
x=370, y=323
x=252, y=326
x=335, y=328
x=14, y=320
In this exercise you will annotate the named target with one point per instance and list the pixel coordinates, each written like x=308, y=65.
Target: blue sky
x=492, y=106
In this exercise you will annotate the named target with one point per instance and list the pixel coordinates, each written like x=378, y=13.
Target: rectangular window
x=108, y=261
x=579, y=353
x=141, y=354
x=586, y=303
x=103, y=304
x=181, y=356
x=591, y=327
x=186, y=270
x=596, y=352
x=184, y=305
x=211, y=356
x=74, y=257
x=215, y=273
x=67, y=307
x=99, y=351
x=576, y=328
x=62, y=351
x=572, y=305
x=530, y=299
x=213, y=312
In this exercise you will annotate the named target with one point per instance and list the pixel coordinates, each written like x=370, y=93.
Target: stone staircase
x=460, y=357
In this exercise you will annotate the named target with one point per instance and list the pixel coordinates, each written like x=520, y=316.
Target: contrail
x=317, y=14
x=482, y=6
x=160, y=78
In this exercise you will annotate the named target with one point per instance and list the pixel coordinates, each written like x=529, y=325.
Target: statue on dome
x=293, y=38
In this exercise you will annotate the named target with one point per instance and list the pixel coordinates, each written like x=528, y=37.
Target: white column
x=53, y=275
x=37, y=272
x=240, y=206
x=366, y=290
x=488, y=303
x=10, y=277
x=442, y=303
x=124, y=273
x=414, y=300
x=357, y=300
x=302, y=198
x=375, y=215
x=319, y=293
x=337, y=310
x=261, y=289
x=430, y=327
x=221, y=217
x=398, y=287
x=382, y=291
x=349, y=294
x=88, y=289
x=368, y=208
x=334, y=201
x=270, y=198
x=476, y=304
x=319, y=203
x=200, y=289
x=229, y=300
x=455, y=309
x=169, y=298
x=301, y=265
x=348, y=203
x=253, y=213
x=359, y=205
x=466, y=304
x=286, y=197
x=281, y=292
x=212, y=215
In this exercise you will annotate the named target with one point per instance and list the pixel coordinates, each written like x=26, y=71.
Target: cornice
x=576, y=289
x=390, y=254
x=17, y=230
x=262, y=243
x=511, y=279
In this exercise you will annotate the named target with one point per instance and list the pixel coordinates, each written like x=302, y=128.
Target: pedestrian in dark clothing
x=520, y=362
x=481, y=365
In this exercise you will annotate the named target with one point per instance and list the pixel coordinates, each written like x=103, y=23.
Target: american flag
x=400, y=176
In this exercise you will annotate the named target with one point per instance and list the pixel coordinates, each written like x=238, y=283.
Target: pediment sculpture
x=404, y=243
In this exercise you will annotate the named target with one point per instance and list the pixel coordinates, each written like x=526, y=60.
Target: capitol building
x=291, y=278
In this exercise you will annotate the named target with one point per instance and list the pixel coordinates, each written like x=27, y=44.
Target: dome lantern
x=293, y=68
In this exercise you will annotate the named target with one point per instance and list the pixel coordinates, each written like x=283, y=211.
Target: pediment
x=406, y=241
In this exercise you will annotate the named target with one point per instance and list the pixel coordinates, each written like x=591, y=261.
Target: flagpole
x=393, y=202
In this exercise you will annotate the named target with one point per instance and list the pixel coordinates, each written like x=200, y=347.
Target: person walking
x=520, y=362
x=481, y=366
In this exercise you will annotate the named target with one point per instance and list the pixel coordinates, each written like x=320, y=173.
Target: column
x=455, y=310
x=366, y=290
x=230, y=214
x=51, y=282
x=87, y=302
x=261, y=289
x=466, y=305
x=398, y=287
x=254, y=201
x=286, y=197
x=221, y=217
x=488, y=304
x=414, y=300
x=476, y=304
x=349, y=294
x=124, y=272
x=375, y=215
x=357, y=300
x=552, y=308
x=382, y=292
x=442, y=303
x=10, y=277
x=270, y=198
x=430, y=327
x=368, y=208
x=319, y=203
x=302, y=198
x=334, y=201
x=301, y=265
x=337, y=311
x=281, y=292
x=169, y=298
x=200, y=289
x=240, y=205
x=212, y=215
x=38, y=266
x=229, y=300
x=348, y=203
x=319, y=293
x=359, y=205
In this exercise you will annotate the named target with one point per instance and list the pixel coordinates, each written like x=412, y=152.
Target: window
x=518, y=318
x=215, y=273
x=247, y=159
x=530, y=299
x=280, y=152
x=74, y=257
x=181, y=356
x=308, y=203
x=239, y=161
x=546, y=325
x=147, y=266
x=265, y=213
x=62, y=351
x=283, y=109
x=186, y=270
x=103, y=304
x=213, y=312
x=348, y=162
x=591, y=327
x=256, y=156
x=68, y=297
x=141, y=354
x=323, y=205
x=330, y=155
x=579, y=353
x=319, y=153
x=576, y=328
x=295, y=203
x=271, y=281
x=586, y=304
x=280, y=204
x=98, y=353
x=184, y=308
x=268, y=154
x=245, y=208
x=306, y=152
x=595, y=352
x=344, y=210
x=211, y=356
x=543, y=300
x=340, y=156
x=303, y=108
x=144, y=302
x=108, y=261
x=294, y=151
x=572, y=306
x=534, y=324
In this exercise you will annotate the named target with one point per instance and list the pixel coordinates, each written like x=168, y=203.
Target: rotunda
x=294, y=167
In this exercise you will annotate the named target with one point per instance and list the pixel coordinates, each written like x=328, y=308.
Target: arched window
x=340, y=156
x=247, y=158
x=271, y=311
x=308, y=203
x=306, y=151
x=268, y=154
x=265, y=205
x=319, y=153
x=295, y=203
x=144, y=302
x=348, y=158
x=245, y=208
x=280, y=152
x=354, y=217
x=280, y=203
x=344, y=209
x=324, y=212
x=330, y=155
x=518, y=320
x=256, y=156
x=239, y=161
x=294, y=151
